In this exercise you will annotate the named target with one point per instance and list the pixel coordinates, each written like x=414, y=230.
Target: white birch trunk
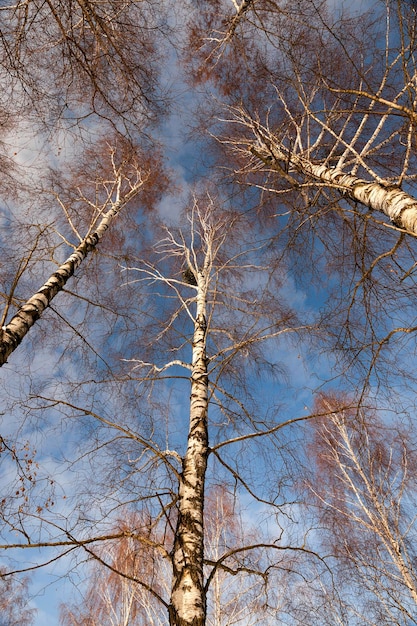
x=188, y=598
x=399, y=206
x=12, y=334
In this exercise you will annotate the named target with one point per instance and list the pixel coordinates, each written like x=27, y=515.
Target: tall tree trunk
x=188, y=598
x=12, y=334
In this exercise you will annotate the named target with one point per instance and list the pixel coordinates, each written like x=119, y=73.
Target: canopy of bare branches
x=208, y=324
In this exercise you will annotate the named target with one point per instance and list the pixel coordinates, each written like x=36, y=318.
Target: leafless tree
x=127, y=178
x=68, y=60
x=118, y=594
x=363, y=483
x=216, y=350
x=14, y=602
x=313, y=118
x=220, y=314
x=119, y=579
x=318, y=117
x=334, y=107
x=79, y=95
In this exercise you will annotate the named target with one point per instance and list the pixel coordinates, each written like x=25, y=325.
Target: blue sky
x=49, y=362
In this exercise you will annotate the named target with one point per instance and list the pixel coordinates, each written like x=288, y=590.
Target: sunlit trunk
x=399, y=206
x=188, y=599
x=12, y=334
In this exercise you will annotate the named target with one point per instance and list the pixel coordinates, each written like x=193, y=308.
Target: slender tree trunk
x=12, y=334
x=188, y=598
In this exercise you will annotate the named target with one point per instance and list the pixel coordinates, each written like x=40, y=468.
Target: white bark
x=371, y=494
x=188, y=600
x=12, y=334
x=399, y=206
x=240, y=11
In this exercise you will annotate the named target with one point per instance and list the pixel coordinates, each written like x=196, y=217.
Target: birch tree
x=68, y=60
x=207, y=303
x=79, y=85
x=318, y=116
x=203, y=262
x=364, y=490
x=120, y=596
x=104, y=199
x=334, y=108
x=225, y=530
x=313, y=117
x=14, y=602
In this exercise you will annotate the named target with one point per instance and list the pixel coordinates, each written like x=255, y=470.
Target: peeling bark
x=12, y=334
x=399, y=206
x=188, y=598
